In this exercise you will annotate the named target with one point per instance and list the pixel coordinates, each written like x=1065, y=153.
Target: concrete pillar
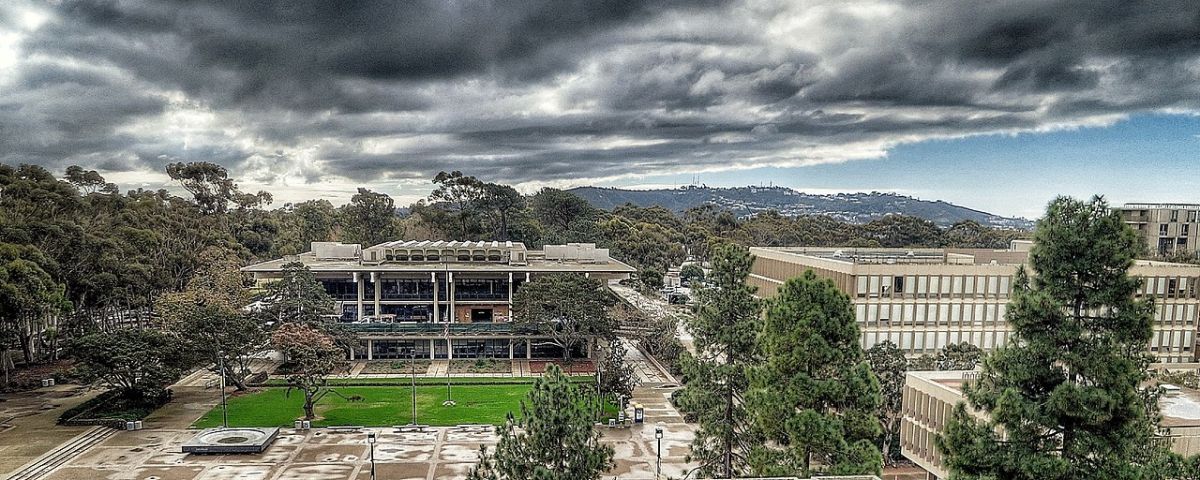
x=361, y=287
x=510, y=294
x=450, y=290
x=510, y=349
x=370, y=349
x=375, y=279
x=351, y=355
x=590, y=344
x=431, y=355
x=437, y=317
x=449, y=349
x=528, y=349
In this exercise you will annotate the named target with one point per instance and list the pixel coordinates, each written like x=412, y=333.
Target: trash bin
x=130, y=425
x=299, y=424
x=639, y=413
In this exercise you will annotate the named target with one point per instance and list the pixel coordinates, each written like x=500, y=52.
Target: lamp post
x=371, y=442
x=413, y=367
x=658, y=434
x=224, y=402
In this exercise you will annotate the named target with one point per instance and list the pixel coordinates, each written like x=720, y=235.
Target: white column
x=375, y=279
x=510, y=304
x=370, y=349
x=510, y=349
x=450, y=290
x=431, y=355
x=449, y=349
x=351, y=355
x=361, y=287
x=528, y=349
x=436, y=306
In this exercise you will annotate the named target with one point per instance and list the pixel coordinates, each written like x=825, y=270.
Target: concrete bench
x=345, y=428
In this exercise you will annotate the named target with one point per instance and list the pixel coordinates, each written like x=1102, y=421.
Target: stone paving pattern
x=321, y=454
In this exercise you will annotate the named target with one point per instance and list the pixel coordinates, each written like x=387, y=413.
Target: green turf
x=406, y=381
x=381, y=406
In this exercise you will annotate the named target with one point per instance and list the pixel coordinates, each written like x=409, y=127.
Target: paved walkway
x=656, y=307
x=435, y=453
x=28, y=427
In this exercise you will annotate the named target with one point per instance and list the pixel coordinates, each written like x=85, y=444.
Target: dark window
x=481, y=315
x=898, y=284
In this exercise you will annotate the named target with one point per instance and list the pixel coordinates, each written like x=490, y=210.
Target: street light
x=658, y=434
x=371, y=442
x=224, y=402
x=412, y=363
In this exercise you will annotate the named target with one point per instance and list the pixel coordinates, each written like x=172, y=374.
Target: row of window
x=413, y=289
x=1164, y=229
x=933, y=286
x=993, y=286
x=464, y=348
x=914, y=342
x=1163, y=343
x=958, y=314
x=437, y=256
x=954, y=314
x=927, y=414
x=1170, y=287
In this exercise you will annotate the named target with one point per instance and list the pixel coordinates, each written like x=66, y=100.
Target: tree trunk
x=26, y=346
x=728, y=447
x=308, y=406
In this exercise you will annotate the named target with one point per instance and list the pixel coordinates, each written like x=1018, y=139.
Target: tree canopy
x=552, y=440
x=1066, y=389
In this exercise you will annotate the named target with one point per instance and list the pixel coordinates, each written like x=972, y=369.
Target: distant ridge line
x=860, y=207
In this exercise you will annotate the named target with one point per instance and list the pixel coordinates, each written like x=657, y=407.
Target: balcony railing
x=452, y=329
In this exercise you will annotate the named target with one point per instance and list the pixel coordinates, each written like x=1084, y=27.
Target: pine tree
x=814, y=396
x=889, y=366
x=553, y=440
x=1065, y=390
x=724, y=330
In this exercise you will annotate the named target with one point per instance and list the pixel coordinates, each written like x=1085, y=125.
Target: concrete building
x=930, y=397
x=1169, y=229
x=440, y=299
x=924, y=299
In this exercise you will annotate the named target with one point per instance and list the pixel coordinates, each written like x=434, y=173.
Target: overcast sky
x=994, y=105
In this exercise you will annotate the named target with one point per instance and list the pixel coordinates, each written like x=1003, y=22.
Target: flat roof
x=1179, y=409
x=906, y=256
x=1152, y=206
x=928, y=256
x=535, y=264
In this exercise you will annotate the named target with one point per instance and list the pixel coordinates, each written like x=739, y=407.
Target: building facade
x=924, y=299
x=1168, y=229
x=930, y=398
x=440, y=299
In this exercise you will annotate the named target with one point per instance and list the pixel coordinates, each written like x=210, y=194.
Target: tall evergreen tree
x=1065, y=390
x=724, y=330
x=889, y=366
x=553, y=439
x=814, y=396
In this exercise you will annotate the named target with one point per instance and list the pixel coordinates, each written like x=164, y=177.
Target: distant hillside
x=747, y=201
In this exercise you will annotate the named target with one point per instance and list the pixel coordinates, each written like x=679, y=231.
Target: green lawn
x=381, y=406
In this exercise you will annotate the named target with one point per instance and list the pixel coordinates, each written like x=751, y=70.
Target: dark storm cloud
x=556, y=90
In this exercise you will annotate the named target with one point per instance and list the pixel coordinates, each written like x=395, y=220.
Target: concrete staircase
x=50, y=461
